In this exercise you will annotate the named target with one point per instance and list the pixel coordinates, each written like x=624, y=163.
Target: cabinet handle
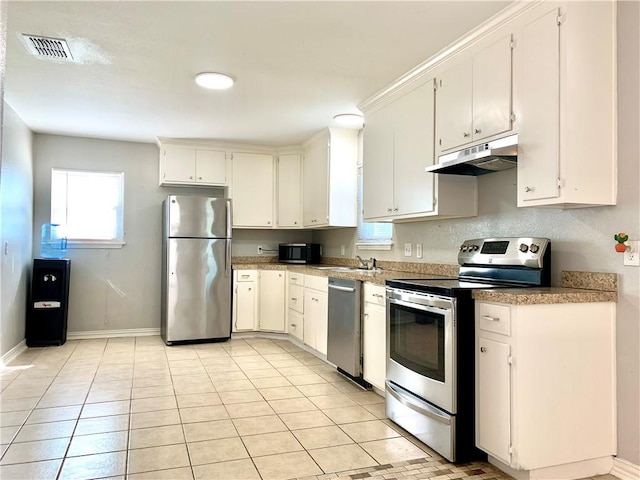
x=249, y=289
x=483, y=349
x=490, y=319
x=477, y=130
x=466, y=135
x=395, y=209
x=528, y=189
x=199, y=178
x=378, y=295
x=295, y=223
x=293, y=325
x=389, y=210
x=244, y=276
x=191, y=177
x=294, y=299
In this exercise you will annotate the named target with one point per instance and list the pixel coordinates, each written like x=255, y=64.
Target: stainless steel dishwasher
x=344, y=346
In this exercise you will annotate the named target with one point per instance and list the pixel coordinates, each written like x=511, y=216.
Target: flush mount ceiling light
x=352, y=120
x=214, y=81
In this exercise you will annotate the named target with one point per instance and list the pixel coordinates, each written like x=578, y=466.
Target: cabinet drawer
x=295, y=278
x=317, y=283
x=296, y=298
x=374, y=294
x=494, y=318
x=246, y=275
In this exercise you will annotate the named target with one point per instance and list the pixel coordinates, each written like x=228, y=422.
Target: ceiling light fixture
x=214, y=81
x=353, y=120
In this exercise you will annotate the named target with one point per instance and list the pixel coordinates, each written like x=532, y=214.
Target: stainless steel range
x=430, y=346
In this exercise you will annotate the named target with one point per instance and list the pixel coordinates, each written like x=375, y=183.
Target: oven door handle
x=420, y=306
x=424, y=409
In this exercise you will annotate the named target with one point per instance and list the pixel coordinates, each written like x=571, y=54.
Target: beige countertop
x=577, y=287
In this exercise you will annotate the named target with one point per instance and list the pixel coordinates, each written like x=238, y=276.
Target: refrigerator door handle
x=227, y=260
x=229, y=224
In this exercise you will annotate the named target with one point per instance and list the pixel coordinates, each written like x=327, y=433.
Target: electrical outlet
x=407, y=249
x=418, y=250
x=259, y=249
x=632, y=258
x=342, y=250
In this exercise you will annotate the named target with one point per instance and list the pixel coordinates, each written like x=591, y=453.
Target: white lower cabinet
x=271, y=308
x=259, y=301
x=245, y=300
x=316, y=312
x=295, y=304
x=545, y=387
x=374, y=343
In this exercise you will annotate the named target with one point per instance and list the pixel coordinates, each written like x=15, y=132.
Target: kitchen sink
x=337, y=268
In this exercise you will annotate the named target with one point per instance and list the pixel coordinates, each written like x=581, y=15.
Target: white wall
x=16, y=212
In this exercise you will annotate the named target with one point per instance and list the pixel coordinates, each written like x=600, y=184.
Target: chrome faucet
x=370, y=265
x=363, y=263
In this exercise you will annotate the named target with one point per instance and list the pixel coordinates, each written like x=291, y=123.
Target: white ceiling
x=297, y=64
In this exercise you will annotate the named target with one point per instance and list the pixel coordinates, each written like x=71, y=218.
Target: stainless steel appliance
x=299, y=252
x=344, y=341
x=500, y=154
x=430, y=347
x=196, y=269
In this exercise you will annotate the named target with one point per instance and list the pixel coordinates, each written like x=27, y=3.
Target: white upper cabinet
x=474, y=97
x=329, y=185
x=182, y=165
x=398, y=145
x=567, y=134
x=253, y=190
x=289, y=190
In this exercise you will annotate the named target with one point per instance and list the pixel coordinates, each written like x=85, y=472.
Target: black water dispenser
x=48, y=303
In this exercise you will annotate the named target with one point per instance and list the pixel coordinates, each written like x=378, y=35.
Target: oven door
x=421, y=347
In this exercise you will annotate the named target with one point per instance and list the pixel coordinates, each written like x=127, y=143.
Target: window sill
x=80, y=245
x=374, y=246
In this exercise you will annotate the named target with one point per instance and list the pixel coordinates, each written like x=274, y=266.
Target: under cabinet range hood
x=493, y=156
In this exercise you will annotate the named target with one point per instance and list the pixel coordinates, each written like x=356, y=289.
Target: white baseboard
x=13, y=353
x=625, y=470
x=129, y=332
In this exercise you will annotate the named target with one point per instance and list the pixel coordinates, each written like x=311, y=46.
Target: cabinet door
x=245, y=306
x=322, y=321
x=310, y=318
x=538, y=137
x=315, y=186
x=492, y=90
x=374, y=348
x=454, y=106
x=179, y=164
x=377, y=168
x=252, y=190
x=272, y=302
x=211, y=167
x=296, y=324
x=493, y=409
x=413, y=114
x=289, y=183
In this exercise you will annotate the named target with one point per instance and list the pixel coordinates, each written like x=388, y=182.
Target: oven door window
x=417, y=340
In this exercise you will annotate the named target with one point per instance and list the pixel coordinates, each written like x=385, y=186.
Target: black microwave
x=299, y=252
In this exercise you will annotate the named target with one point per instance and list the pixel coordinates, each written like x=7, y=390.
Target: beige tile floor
x=249, y=408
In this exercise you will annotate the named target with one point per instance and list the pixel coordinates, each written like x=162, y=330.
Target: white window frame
x=60, y=210
x=367, y=238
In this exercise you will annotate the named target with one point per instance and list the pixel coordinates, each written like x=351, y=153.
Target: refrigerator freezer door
x=198, y=217
x=198, y=290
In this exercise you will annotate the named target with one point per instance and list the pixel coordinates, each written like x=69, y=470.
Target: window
x=372, y=235
x=89, y=205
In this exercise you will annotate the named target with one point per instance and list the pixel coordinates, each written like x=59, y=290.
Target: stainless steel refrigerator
x=196, y=269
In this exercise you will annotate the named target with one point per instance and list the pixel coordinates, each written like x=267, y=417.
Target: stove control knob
x=524, y=247
x=534, y=248
x=464, y=248
x=475, y=248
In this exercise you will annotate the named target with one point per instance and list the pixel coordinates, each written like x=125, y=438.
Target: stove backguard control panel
x=514, y=251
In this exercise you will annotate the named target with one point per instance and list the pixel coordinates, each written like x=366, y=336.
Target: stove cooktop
x=443, y=286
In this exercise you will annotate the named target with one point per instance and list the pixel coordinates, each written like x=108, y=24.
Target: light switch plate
x=418, y=250
x=407, y=249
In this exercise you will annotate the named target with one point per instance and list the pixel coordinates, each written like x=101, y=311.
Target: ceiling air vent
x=47, y=47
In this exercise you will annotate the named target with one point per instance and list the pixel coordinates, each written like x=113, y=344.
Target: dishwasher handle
x=342, y=289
